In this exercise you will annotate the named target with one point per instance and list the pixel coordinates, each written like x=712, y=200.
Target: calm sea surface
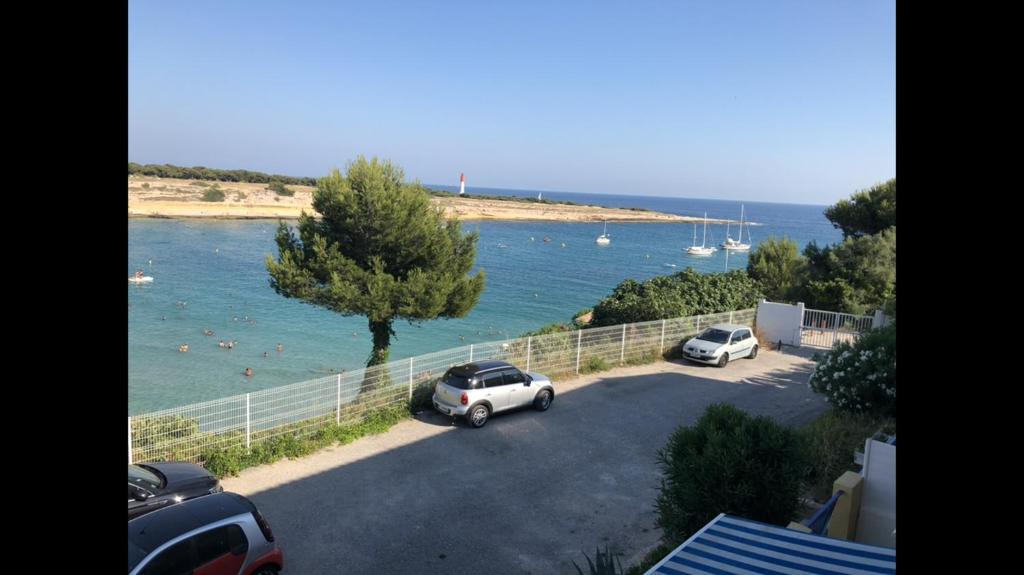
x=212, y=275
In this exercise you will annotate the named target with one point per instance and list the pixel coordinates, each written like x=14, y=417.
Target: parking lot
x=528, y=493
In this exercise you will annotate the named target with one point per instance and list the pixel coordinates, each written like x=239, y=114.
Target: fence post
x=410, y=379
x=798, y=335
x=730, y=317
x=622, y=354
x=129, y=440
x=662, y=348
x=471, y=353
x=337, y=417
x=247, y=428
x=698, y=324
x=879, y=319
x=579, y=340
x=529, y=340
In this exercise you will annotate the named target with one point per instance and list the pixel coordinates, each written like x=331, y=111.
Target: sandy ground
x=172, y=198
x=527, y=493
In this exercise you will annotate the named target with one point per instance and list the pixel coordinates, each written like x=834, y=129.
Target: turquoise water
x=211, y=275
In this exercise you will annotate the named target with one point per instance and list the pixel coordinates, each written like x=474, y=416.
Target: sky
x=775, y=101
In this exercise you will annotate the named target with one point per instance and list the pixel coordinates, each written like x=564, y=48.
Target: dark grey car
x=154, y=486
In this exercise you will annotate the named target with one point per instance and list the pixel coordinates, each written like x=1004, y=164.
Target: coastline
x=167, y=198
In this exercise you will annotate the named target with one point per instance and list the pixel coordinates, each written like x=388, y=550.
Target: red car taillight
x=464, y=399
x=264, y=526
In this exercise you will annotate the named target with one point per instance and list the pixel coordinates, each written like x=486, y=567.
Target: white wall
x=780, y=322
x=876, y=524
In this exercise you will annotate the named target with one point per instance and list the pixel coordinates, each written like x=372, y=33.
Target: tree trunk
x=378, y=377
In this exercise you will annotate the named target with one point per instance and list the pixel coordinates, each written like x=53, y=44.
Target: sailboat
x=703, y=249
x=738, y=245
x=604, y=239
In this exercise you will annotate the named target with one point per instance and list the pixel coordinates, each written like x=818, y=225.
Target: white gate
x=824, y=328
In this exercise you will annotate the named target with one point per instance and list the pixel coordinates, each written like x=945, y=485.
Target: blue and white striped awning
x=730, y=545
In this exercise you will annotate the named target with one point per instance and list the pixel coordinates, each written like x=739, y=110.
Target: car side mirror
x=141, y=494
x=527, y=381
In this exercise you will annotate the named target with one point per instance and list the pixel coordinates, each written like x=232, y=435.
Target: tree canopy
x=380, y=250
x=685, y=293
x=777, y=264
x=867, y=212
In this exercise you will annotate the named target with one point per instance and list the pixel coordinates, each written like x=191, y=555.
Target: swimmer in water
x=248, y=372
x=183, y=348
x=280, y=348
x=207, y=332
x=265, y=354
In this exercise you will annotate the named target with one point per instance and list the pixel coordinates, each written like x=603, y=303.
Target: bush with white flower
x=860, y=378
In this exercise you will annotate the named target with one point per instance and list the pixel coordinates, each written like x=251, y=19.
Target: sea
x=211, y=275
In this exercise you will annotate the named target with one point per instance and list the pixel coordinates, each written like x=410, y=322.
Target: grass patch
x=232, y=460
x=214, y=194
x=200, y=184
x=649, y=560
x=831, y=441
x=280, y=189
x=145, y=186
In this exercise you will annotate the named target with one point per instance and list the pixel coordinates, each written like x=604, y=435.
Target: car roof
x=471, y=369
x=729, y=326
x=152, y=530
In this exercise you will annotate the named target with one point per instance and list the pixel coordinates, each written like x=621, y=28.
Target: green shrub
x=294, y=441
x=597, y=363
x=605, y=563
x=728, y=462
x=831, y=441
x=652, y=558
x=280, y=189
x=145, y=186
x=239, y=196
x=860, y=377
x=214, y=194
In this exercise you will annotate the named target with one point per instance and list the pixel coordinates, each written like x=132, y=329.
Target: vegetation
x=651, y=559
x=728, y=462
x=229, y=461
x=605, y=563
x=777, y=265
x=860, y=377
x=867, y=212
x=831, y=441
x=856, y=276
x=213, y=194
x=380, y=251
x=280, y=189
x=683, y=294
x=203, y=173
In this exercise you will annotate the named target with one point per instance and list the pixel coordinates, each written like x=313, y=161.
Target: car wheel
x=723, y=360
x=543, y=400
x=753, y=352
x=477, y=416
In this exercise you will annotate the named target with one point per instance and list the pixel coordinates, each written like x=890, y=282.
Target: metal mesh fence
x=184, y=433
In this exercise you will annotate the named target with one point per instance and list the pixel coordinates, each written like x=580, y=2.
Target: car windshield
x=144, y=477
x=457, y=380
x=714, y=335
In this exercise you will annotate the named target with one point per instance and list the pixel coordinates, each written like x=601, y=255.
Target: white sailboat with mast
x=703, y=249
x=604, y=239
x=738, y=245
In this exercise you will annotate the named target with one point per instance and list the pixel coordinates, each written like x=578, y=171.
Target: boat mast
x=705, y=242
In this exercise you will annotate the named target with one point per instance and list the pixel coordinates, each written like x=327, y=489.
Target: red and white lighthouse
x=462, y=184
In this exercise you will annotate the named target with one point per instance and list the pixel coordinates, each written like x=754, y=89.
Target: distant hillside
x=203, y=173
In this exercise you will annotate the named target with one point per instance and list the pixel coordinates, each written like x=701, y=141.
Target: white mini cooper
x=476, y=390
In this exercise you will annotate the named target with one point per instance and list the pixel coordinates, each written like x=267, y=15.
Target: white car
x=476, y=390
x=720, y=343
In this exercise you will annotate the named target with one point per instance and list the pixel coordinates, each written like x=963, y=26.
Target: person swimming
x=222, y=344
x=138, y=275
x=248, y=372
x=207, y=332
x=183, y=348
x=280, y=348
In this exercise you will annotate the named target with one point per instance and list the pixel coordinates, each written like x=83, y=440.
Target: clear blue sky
x=764, y=101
